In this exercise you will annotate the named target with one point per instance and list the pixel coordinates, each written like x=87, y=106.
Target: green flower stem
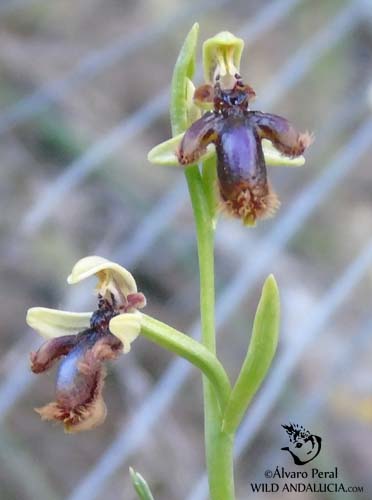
x=219, y=445
x=209, y=178
x=188, y=348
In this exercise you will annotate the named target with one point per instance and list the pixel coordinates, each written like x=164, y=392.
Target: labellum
x=237, y=132
x=79, y=403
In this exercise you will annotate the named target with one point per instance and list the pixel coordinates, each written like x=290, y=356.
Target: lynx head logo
x=303, y=446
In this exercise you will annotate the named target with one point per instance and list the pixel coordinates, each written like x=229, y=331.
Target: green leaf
x=182, y=73
x=140, y=485
x=260, y=354
x=181, y=118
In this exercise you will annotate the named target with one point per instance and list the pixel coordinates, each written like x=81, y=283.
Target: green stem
x=219, y=444
x=188, y=348
x=205, y=240
x=209, y=178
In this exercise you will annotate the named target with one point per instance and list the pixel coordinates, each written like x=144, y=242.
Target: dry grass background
x=43, y=41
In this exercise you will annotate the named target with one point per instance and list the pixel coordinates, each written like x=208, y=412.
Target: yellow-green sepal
x=51, y=323
x=274, y=158
x=165, y=154
x=106, y=272
x=221, y=55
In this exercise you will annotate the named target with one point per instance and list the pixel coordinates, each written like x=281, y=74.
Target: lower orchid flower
x=84, y=341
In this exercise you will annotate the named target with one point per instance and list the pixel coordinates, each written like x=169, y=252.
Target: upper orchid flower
x=236, y=133
x=86, y=341
x=244, y=140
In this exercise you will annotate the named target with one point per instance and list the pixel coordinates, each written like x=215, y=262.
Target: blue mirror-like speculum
x=237, y=132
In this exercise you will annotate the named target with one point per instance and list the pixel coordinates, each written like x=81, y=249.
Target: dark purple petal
x=281, y=133
x=135, y=301
x=204, y=94
x=196, y=139
x=50, y=352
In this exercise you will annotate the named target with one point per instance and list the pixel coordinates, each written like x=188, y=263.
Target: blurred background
x=83, y=97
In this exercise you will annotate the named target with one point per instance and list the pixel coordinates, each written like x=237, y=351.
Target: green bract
x=182, y=113
x=261, y=351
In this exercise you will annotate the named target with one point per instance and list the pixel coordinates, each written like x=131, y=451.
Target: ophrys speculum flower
x=85, y=342
x=244, y=141
x=237, y=132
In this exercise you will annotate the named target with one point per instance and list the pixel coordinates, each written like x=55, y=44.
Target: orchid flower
x=84, y=341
